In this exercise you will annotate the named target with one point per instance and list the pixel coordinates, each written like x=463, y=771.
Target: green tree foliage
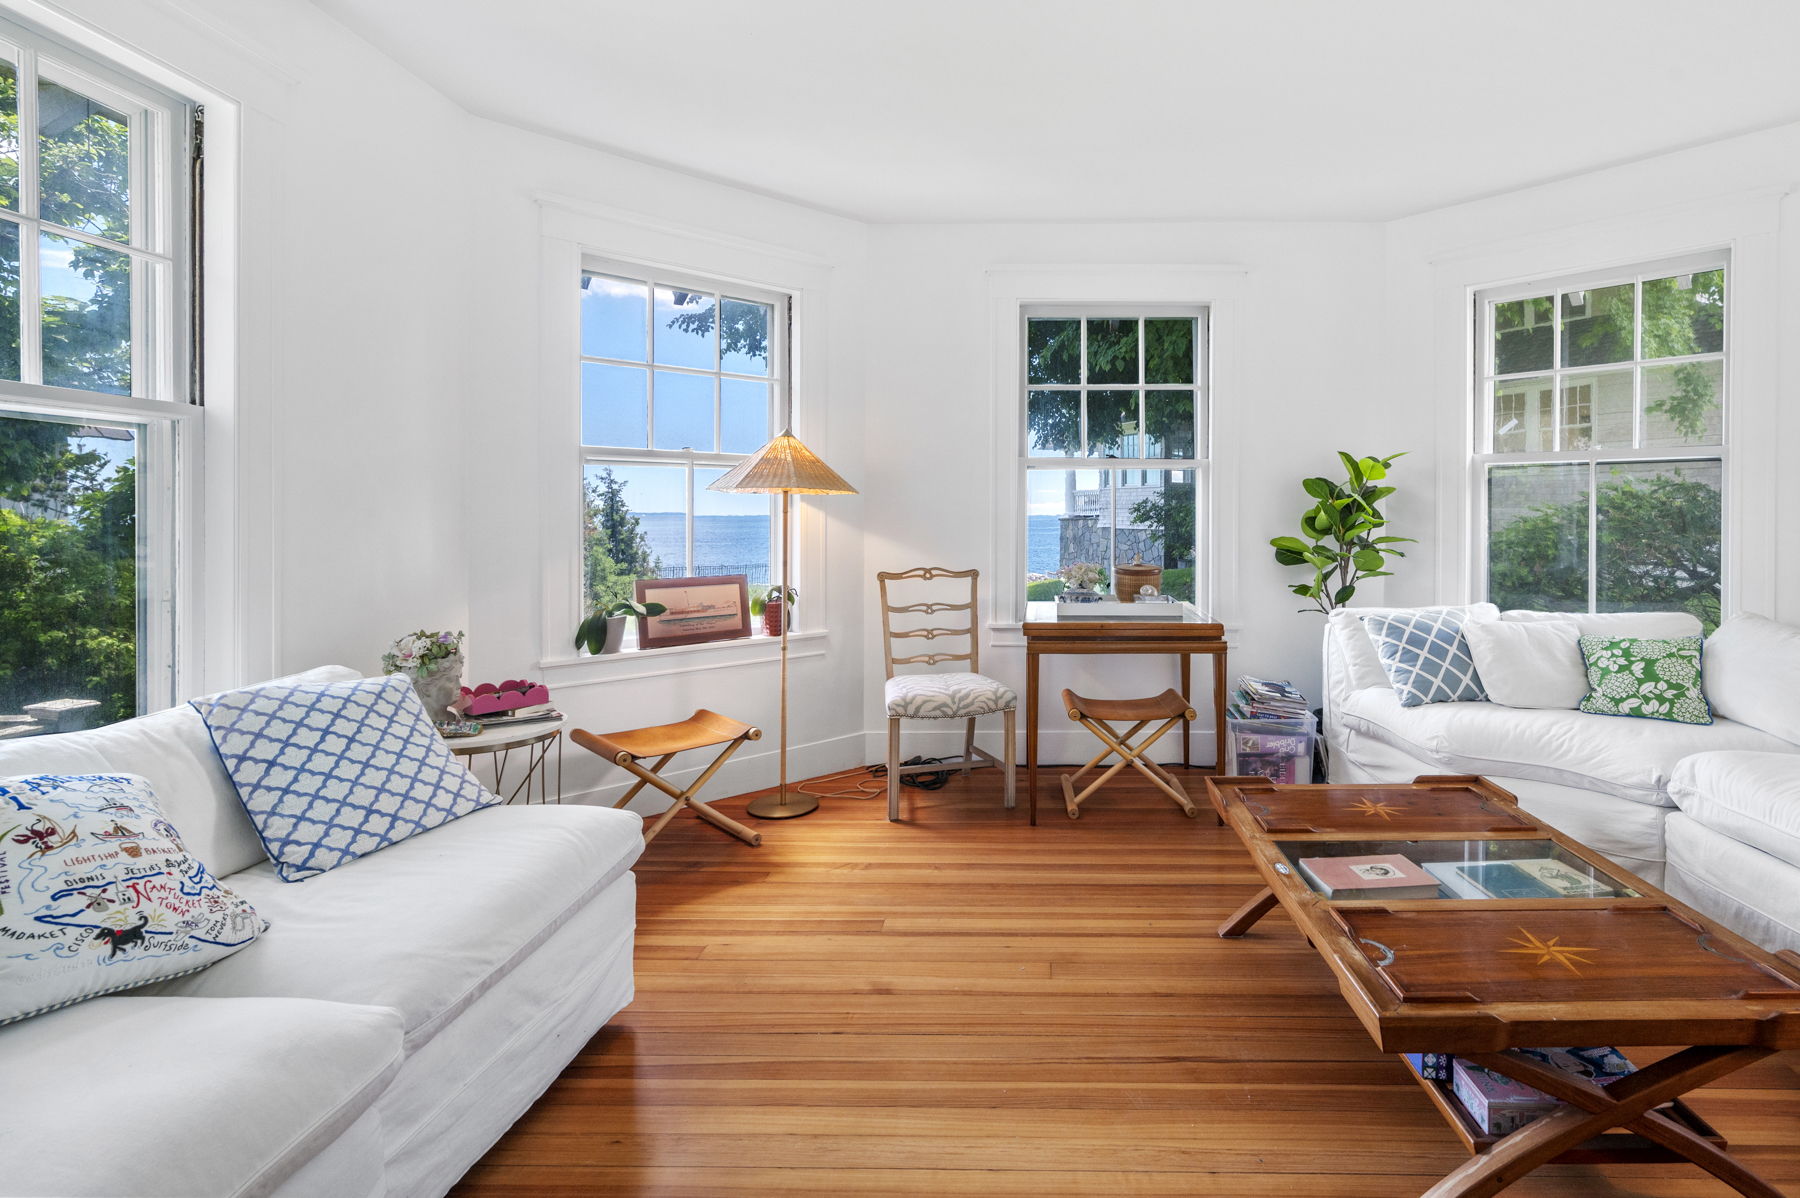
x=615, y=550
x=744, y=329
x=68, y=566
x=1659, y=550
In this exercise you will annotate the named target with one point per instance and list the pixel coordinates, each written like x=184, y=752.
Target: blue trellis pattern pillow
x=1651, y=679
x=98, y=893
x=333, y=771
x=1426, y=657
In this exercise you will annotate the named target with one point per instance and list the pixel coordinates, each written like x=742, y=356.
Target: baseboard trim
x=1072, y=745
x=761, y=769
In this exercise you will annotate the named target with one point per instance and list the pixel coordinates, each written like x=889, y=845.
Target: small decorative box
x=490, y=699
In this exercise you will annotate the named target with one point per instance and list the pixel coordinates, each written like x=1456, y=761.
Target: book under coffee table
x=1574, y=951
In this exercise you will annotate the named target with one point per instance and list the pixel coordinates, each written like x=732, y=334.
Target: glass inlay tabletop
x=1413, y=870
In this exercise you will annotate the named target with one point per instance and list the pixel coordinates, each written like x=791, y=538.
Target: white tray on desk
x=1173, y=613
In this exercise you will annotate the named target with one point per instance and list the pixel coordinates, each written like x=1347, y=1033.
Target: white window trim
x=1095, y=289
x=1200, y=464
x=171, y=449
x=574, y=231
x=692, y=459
x=1747, y=226
x=1482, y=457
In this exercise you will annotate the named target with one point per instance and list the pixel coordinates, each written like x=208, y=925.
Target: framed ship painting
x=699, y=610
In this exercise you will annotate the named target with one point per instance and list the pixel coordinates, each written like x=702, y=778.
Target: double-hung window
x=1115, y=449
x=99, y=422
x=1601, y=447
x=681, y=379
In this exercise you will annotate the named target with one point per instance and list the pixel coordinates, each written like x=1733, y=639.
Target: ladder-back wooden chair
x=944, y=695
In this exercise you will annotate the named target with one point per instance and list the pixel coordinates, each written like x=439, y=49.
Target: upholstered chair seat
x=948, y=696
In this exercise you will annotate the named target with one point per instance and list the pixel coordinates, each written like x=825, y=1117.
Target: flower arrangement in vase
x=1081, y=578
x=434, y=663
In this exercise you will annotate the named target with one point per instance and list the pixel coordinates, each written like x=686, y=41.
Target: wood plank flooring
x=962, y=1004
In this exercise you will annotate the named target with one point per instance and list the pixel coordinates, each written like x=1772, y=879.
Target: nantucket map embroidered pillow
x=332, y=771
x=97, y=894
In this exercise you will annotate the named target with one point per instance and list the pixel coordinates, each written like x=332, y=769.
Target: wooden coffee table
x=1483, y=977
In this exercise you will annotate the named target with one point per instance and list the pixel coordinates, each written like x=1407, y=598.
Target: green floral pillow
x=1649, y=679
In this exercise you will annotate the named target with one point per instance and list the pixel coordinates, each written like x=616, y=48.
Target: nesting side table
x=534, y=739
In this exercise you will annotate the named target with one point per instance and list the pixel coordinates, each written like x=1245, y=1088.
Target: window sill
x=632, y=662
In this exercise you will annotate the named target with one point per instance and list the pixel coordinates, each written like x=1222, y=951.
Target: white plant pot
x=615, y=633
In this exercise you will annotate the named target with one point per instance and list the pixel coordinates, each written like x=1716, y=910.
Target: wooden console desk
x=1183, y=632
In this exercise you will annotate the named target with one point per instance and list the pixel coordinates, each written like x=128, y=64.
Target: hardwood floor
x=962, y=1004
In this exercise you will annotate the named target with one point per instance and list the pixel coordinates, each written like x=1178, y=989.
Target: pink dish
x=496, y=699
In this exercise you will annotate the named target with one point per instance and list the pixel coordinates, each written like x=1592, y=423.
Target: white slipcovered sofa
x=1709, y=812
x=399, y=1014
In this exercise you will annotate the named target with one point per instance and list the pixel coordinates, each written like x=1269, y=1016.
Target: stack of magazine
x=1267, y=699
x=1271, y=731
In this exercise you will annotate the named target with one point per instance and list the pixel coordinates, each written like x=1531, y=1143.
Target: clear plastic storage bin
x=1280, y=750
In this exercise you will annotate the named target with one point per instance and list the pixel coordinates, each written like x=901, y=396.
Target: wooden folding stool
x=1098, y=716
x=701, y=730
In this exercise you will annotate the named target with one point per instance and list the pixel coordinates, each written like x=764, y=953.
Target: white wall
x=380, y=388
x=538, y=192
x=383, y=375
x=334, y=412
x=1304, y=375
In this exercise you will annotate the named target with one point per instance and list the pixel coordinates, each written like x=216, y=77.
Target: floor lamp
x=786, y=467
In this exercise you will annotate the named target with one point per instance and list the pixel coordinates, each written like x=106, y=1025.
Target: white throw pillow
x=1638, y=625
x=100, y=894
x=1751, y=666
x=1529, y=663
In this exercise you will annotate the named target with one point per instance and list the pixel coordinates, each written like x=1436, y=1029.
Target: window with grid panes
x=681, y=379
x=1114, y=448
x=99, y=423
x=1600, y=449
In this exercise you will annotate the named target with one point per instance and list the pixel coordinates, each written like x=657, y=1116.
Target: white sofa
x=396, y=1018
x=1709, y=812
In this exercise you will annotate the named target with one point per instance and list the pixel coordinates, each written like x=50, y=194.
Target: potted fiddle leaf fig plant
x=1339, y=540
x=604, y=630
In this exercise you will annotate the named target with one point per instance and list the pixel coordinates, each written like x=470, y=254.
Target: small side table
x=535, y=738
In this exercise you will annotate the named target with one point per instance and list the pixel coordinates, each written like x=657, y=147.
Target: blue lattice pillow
x=1426, y=657
x=333, y=771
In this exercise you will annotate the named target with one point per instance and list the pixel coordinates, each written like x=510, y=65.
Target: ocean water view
x=1043, y=545
x=741, y=545
x=722, y=544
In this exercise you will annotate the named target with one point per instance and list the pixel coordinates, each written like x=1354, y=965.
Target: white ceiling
x=949, y=110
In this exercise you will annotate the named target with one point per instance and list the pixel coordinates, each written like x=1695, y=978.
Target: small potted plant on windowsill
x=604, y=630
x=773, y=603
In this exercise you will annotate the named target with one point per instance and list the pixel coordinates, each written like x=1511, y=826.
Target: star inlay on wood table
x=1533, y=940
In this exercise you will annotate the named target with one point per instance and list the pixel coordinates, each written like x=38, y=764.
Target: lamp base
x=772, y=807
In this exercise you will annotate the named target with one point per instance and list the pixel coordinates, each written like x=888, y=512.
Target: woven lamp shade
x=784, y=464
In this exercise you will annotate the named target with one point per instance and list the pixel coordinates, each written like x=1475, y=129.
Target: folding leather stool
x=1098, y=717
x=701, y=730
